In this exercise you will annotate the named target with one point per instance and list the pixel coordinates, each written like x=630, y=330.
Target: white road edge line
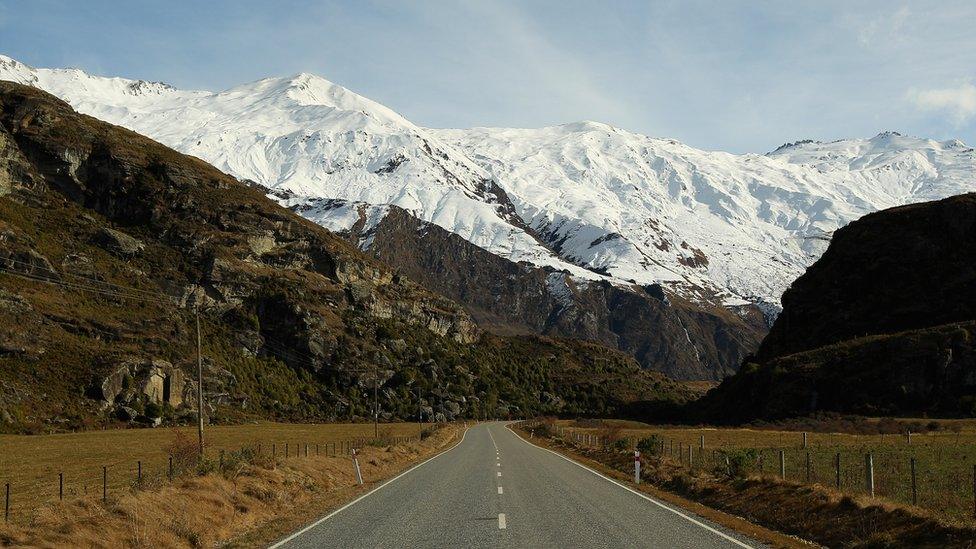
x=501, y=521
x=367, y=494
x=631, y=490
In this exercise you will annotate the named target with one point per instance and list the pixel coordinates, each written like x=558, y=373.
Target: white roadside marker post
x=355, y=460
x=637, y=466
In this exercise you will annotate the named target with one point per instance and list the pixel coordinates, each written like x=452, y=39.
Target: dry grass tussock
x=216, y=505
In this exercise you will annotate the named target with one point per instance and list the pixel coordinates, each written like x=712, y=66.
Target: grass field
x=944, y=460
x=31, y=463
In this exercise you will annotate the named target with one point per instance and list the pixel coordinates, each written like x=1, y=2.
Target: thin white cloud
x=958, y=102
x=886, y=27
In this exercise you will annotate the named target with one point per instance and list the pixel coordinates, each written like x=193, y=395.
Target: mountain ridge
x=586, y=197
x=599, y=203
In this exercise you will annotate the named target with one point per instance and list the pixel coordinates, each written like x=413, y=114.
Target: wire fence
x=933, y=472
x=25, y=495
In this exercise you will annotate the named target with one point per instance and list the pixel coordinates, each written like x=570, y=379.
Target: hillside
x=110, y=241
x=884, y=323
x=664, y=332
x=602, y=204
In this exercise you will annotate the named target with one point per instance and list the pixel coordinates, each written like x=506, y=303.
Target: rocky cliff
x=110, y=243
x=883, y=323
x=662, y=331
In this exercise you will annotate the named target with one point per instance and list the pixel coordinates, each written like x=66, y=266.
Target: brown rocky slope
x=883, y=324
x=663, y=332
x=109, y=242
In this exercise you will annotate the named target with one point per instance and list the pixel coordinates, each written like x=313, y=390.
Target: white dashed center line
x=499, y=473
x=501, y=521
x=499, y=489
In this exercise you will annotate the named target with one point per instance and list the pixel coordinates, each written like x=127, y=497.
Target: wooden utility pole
x=199, y=387
x=376, y=402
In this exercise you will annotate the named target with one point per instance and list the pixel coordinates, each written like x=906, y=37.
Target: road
x=496, y=490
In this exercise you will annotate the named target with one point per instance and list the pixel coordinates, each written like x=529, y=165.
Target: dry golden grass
x=810, y=511
x=246, y=506
x=31, y=463
x=944, y=459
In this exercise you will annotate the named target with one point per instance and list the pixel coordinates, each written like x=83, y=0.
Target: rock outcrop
x=663, y=332
x=883, y=324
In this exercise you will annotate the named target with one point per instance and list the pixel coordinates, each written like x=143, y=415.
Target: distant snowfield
x=588, y=198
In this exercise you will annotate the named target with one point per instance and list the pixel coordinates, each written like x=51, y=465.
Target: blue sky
x=718, y=75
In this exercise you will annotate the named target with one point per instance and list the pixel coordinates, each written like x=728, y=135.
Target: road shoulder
x=732, y=522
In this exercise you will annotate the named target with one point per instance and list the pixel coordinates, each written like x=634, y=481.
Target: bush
x=620, y=445
x=649, y=445
x=153, y=410
x=545, y=428
x=184, y=451
x=739, y=462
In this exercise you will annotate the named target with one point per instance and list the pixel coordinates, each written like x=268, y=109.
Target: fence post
x=804, y=441
x=104, y=484
x=171, y=467
x=306, y=449
x=908, y=435
x=808, y=467
x=701, y=442
x=60, y=486
x=286, y=450
x=914, y=485
x=782, y=464
x=837, y=469
x=869, y=473
x=6, y=505
x=691, y=457
x=139, y=471
x=274, y=449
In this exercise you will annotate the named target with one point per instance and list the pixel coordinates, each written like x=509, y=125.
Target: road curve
x=496, y=490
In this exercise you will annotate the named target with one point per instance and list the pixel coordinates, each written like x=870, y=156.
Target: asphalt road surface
x=496, y=490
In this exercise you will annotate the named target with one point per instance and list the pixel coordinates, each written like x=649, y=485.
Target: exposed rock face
x=673, y=336
x=883, y=323
x=899, y=269
x=114, y=240
x=118, y=242
x=156, y=380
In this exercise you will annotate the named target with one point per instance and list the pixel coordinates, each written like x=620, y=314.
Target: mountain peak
x=887, y=134
x=587, y=126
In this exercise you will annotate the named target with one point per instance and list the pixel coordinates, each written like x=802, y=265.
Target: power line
x=147, y=293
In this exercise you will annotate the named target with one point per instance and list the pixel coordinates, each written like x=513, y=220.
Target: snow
x=606, y=203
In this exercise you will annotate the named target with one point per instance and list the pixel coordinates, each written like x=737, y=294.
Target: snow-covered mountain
x=589, y=198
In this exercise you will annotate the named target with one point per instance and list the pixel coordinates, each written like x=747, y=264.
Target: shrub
x=153, y=410
x=649, y=445
x=620, y=445
x=184, y=451
x=545, y=427
x=739, y=462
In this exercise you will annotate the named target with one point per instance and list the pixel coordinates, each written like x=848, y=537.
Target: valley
x=258, y=308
